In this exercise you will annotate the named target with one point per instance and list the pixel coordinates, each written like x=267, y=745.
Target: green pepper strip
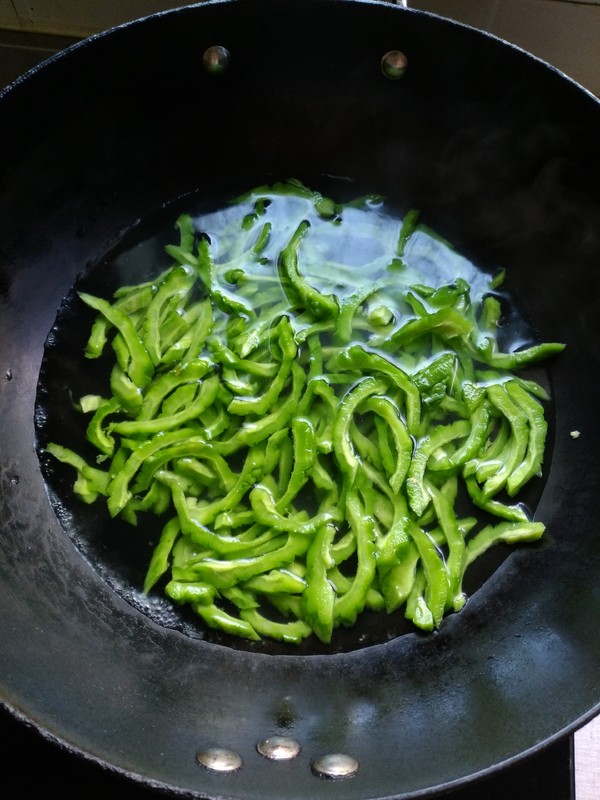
x=141, y=368
x=118, y=488
x=95, y=433
x=167, y=382
x=207, y=392
x=265, y=511
x=437, y=586
x=508, y=532
x=408, y=227
x=226, y=573
x=159, y=563
x=538, y=427
x=319, y=596
x=444, y=508
x=418, y=496
x=386, y=409
x=359, y=356
x=342, y=445
x=190, y=592
x=447, y=323
x=296, y=287
x=305, y=453
x=224, y=300
x=176, y=286
x=91, y=481
x=471, y=447
x=289, y=632
x=260, y=405
x=351, y=603
x=516, y=512
x=218, y=619
x=518, y=441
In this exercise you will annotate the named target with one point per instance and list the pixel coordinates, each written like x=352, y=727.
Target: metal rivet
x=216, y=59
x=335, y=766
x=278, y=748
x=219, y=759
x=394, y=64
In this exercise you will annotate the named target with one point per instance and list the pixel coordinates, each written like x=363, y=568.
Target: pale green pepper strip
x=218, y=619
x=437, y=584
x=289, y=632
x=444, y=507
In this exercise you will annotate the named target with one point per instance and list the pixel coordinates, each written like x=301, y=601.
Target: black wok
x=500, y=153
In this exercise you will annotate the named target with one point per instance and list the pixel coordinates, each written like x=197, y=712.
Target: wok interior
x=500, y=155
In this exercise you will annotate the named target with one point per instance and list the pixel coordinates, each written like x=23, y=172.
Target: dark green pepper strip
x=187, y=456
x=508, y=532
x=205, y=396
x=296, y=287
x=519, y=425
x=384, y=408
x=141, y=368
x=218, y=619
x=358, y=356
x=159, y=563
x=437, y=586
x=228, y=358
x=179, y=399
x=519, y=358
x=342, y=444
x=532, y=463
x=351, y=603
x=441, y=372
x=489, y=461
x=319, y=596
x=348, y=308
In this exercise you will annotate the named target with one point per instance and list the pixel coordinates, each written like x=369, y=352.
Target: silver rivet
x=219, y=759
x=394, y=64
x=278, y=748
x=335, y=765
x=216, y=59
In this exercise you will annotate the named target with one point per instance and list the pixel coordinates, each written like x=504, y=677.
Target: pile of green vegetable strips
x=302, y=396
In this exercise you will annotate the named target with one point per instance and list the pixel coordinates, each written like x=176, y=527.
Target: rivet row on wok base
x=331, y=766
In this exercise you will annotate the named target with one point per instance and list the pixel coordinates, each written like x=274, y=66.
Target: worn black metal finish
x=500, y=153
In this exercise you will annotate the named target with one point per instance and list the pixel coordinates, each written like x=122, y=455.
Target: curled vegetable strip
x=307, y=444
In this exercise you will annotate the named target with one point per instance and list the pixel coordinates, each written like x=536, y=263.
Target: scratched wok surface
x=499, y=151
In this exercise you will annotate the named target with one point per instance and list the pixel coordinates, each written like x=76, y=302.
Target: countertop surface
x=565, y=34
